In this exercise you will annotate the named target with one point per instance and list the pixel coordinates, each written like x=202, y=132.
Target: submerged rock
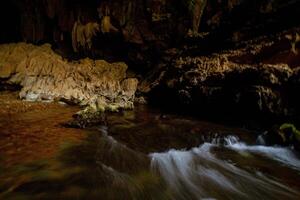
x=290, y=135
x=88, y=118
x=285, y=135
x=44, y=75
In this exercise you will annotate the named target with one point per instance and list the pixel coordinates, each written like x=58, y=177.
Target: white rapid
x=199, y=173
x=283, y=155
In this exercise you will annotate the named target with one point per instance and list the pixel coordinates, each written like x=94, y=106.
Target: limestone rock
x=238, y=81
x=44, y=75
x=82, y=35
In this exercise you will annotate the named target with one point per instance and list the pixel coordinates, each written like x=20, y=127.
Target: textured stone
x=44, y=75
x=238, y=81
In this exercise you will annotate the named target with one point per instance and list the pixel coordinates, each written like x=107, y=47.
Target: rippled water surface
x=144, y=154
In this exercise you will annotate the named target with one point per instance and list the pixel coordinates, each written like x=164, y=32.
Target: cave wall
x=138, y=31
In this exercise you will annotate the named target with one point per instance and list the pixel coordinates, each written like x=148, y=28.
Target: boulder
x=44, y=75
x=285, y=135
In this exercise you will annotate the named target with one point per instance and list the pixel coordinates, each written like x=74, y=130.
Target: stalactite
x=82, y=35
x=232, y=4
x=74, y=37
x=105, y=16
x=196, y=9
x=51, y=7
x=197, y=13
x=294, y=39
x=125, y=13
x=105, y=24
x=90, y=30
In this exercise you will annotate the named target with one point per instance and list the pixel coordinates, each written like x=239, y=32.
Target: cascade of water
x=199, y=174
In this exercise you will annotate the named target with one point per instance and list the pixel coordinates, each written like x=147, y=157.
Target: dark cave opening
x=10, y=23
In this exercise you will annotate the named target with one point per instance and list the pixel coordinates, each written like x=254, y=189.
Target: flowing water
x=200, y=173
x=143, y=154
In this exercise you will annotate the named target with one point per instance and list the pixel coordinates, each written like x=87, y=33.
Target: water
x=199, y=174
x=143, y=154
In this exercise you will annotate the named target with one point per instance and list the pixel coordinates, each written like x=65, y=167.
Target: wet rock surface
x=284, y=135
x=87, y=119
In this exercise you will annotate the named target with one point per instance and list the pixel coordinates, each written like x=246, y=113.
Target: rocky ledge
x=258, y=79
x=44, y=75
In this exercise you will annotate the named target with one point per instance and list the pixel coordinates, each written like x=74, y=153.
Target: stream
x=143, y=154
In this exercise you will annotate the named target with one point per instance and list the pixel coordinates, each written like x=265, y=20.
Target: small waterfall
x=231, y=140
x=280, y=154
x=219, y=139
x=199, y=174
x=260, y=140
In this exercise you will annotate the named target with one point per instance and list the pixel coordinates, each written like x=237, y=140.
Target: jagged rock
x=44, y=75
x=89, y=118
x=229, y=82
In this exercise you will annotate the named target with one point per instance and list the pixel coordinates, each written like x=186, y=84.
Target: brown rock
x=46, y=75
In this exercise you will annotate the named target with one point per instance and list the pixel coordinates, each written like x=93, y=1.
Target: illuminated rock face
x=44, y=75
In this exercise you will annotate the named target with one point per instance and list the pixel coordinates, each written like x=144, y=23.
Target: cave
x=149, y=99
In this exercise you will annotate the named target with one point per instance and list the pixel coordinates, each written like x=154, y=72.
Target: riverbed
x=139, y=154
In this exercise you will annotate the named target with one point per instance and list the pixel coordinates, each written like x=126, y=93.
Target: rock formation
x=82, y=35
x=200, y=54
x=44, y=75
x=137, y=26
x=258, y=79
